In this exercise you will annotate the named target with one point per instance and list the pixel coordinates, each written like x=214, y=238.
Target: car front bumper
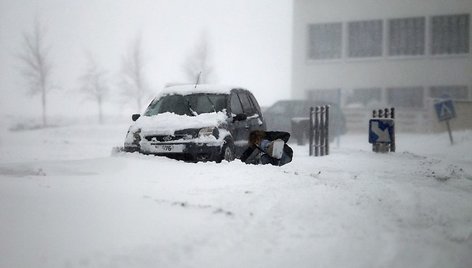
x=187, y=151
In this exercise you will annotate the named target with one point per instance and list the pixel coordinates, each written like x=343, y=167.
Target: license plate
x=168, y=148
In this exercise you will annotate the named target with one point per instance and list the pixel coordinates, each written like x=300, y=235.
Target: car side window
x=255, y=104
x=236, y=107
x=247, y=104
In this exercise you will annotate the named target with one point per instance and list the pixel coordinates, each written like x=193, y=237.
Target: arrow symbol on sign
x=383, y=135
x=445, y=111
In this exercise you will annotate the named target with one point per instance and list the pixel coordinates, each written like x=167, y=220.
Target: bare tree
x=94, y=84
x=37, y=64
x=197, y=65
x=133, y=82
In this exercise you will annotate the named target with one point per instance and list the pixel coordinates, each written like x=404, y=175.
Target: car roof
x=192, y=89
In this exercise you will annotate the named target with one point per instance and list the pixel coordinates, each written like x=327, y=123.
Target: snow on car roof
x=191, y=89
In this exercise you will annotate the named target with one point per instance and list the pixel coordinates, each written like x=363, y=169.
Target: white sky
x=250, y=42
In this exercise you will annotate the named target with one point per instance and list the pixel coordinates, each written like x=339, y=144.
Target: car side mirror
x=239, y=117
x=135, y=117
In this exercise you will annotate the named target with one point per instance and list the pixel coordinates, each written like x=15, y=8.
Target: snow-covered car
x=196, y=123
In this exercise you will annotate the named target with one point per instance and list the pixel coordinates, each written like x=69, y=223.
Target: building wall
x=380, y=72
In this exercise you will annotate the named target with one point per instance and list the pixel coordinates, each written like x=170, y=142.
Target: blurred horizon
x=249, y=45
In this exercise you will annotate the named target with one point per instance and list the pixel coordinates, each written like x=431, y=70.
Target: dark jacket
x=271, y=136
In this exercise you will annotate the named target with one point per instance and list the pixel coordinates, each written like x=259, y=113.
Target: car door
x=239, y=128
x=254, y=119
x=261, y=123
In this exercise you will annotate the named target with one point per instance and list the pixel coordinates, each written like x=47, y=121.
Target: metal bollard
x=319, y=130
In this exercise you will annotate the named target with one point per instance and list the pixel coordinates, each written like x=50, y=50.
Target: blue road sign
x=445, y=109
x=381, y=130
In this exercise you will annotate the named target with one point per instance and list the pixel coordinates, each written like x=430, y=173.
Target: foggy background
x=248, y=44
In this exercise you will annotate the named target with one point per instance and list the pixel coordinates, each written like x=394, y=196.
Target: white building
x=367, y=54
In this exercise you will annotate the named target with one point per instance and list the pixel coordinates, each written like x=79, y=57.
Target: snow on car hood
x=168, y=123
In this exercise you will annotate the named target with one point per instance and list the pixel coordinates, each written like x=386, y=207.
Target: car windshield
x=191, y=105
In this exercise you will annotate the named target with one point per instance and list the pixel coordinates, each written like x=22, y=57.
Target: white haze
x=249, y=44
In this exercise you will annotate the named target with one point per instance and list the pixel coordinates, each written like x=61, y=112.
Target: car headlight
x=208, y=131
x=137, y=136
x=133, y=137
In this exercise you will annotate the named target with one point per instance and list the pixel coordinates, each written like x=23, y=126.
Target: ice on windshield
x=187, y=105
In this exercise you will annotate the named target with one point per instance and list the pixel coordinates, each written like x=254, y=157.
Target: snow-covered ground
x=66, y=202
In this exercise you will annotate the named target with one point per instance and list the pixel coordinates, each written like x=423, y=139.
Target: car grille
x=167, y=138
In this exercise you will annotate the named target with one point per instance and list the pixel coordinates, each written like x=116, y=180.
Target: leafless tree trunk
x=37, y=64
x=197, y=66
x=94, y=84
x=133, y=80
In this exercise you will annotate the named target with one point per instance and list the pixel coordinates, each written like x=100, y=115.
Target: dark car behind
x=293, y=116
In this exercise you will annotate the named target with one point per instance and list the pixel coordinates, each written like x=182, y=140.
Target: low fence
x=319, y=130
x=408, y=120
x=411, y=120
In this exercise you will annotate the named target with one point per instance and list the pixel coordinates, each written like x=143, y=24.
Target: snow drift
x=65, y=202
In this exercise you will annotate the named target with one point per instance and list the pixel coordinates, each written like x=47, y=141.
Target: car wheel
x=227, y=152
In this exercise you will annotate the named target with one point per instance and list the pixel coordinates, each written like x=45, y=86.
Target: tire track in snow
x=188, y=205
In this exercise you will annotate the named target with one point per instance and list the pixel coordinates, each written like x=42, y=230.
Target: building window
x=454, y=92
x=406, y=36
x=406, y=97
x=325, y=41
x=450, y=34
x=365, y=38
x=364, y=97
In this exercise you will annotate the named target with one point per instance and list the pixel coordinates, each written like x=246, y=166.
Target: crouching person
x=268, y=147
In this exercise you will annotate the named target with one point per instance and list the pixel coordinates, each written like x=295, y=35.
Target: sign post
x=382, y=131
x=445, y=111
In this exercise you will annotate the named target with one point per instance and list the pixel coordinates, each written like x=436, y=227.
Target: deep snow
x=65, y=202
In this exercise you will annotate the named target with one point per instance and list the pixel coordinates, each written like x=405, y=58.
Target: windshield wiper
x=212, y=104
x=189, y=106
